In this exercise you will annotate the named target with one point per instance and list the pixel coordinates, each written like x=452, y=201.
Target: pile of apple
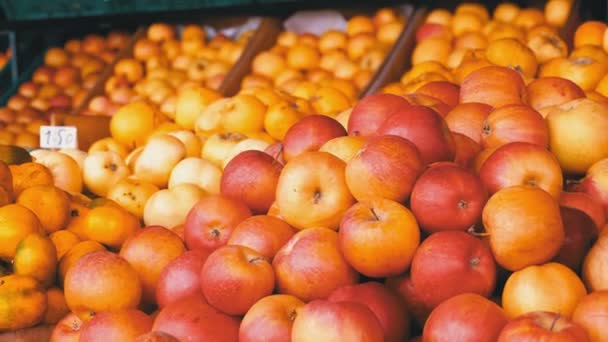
x=305, y=64
x=58, y=86
x=450, y=46
x=163, y=62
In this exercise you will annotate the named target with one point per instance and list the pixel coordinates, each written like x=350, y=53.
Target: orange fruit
x=49, y=203
x=63, y=240
x=110, y=225
x=149, y=251
x=101, y=281
x=303, y=57
x=75, y=253
x=56, y=307
x=29, y=174
x=23, y=302
x=17, y=222
x=78, y=212
x=133, y=123
x=36, y=257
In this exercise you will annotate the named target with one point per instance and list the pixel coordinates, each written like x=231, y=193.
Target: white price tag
x=58, y=137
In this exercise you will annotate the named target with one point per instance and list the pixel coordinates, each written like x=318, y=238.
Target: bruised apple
x=389, y=165
x=312, y=191
x=378, y=237
x=447, y=197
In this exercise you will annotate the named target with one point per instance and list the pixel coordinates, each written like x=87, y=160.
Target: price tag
x=58, y=137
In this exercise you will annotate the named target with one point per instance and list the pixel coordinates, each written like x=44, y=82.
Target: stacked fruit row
x=58, y=86
x=163, y=62
x=240, y=218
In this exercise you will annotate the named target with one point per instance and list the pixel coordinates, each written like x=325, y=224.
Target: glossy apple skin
x=448, y=197
x=466, y=317
x=369, y=113
x=234, y=278
x=211, y=221
x=252, y=177
x=67, y=330
x=591, y=313
x=514, y=123
x=309, y=134
x=444, y=91
x=542, y=326
x=580, y=232
x=270, y=319
x=192, y=319
x=522, y=163
x=453, y=262
x=424, y=128
x=418, y=301
x=181, y=277
x=310, y=265
x=262, y=233
x=322, y=320
x=389, y=164
x=384, y=303
x=552, y=91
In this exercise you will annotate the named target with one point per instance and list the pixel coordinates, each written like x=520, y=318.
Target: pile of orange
x=58, y=86
x=164, y=61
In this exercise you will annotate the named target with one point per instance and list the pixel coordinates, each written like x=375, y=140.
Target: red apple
x=311, y=266
x=514, y=123
x=384, y=303
x=552, y=91
x=467, y=119
x=417, y=300
x=430, y=30
x=120, y=325
x=580, y=232
x=180, y=278
x=496, y=86
x=595, y=183
x=28, y=89
x=309, y=134
x=426, y=129
x=431, y=102
x=192, y=319
x=448, y=197
x=322, y=320
x=156, y=336
x=252, y=177
x=378, y=237
x=233, y=278
x=211, y=221
x=521, y=163
x=542, y=326
x=264, y=234
x=66, y=75
x=276, y=151
x=450, y=263
x=466, y=317
x=369, y=113
x=386, y=166
x=67, y=330
x=591, y=313
x=466, y=150
x=60, y=101
x=587, y=204
x=43, y=75
x=444, y=91
x=270, y=319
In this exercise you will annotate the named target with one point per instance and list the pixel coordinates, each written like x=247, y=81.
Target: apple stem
x=316, y=197
x=113, y=167
x=292, y=315
x=253, y=260
x=215, y=232
x=557, y=317
x=471, y=230
x=462, y=204
x=1, y=282
x=486, y=128
x=374, y=214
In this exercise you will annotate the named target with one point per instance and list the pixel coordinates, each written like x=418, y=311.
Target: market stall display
x=240, y=189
